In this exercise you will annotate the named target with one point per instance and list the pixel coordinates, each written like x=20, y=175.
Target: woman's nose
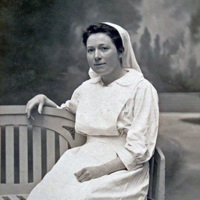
x=97, y=55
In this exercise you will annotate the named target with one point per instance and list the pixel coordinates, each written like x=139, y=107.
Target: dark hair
x=108, y=30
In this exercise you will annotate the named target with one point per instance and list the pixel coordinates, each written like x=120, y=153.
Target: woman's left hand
x=89, y=173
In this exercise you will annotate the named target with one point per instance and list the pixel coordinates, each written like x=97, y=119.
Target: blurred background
x=41, y=51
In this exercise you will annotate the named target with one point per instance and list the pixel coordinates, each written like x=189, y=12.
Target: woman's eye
x=104, y=48
x=90, y=50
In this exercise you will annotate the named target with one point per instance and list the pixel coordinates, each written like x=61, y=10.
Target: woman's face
x=102, y=54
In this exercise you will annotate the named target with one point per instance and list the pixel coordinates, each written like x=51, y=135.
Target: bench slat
x=37, y=168
x=23, y=153
x=20, y=110
x=22, y=196
x=14, y=197
x=0, y=154
x=9, y=197
x=63, y=145
x=50, y=149
x=9, y=154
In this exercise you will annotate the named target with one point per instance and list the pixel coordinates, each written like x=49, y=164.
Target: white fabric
x=134, y=142
x=98, y=109
x=128, y=59
x=143, y=108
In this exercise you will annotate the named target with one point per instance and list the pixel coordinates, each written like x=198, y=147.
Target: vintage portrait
x=99, y=100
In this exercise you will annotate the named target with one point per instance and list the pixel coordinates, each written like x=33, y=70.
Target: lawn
x=179, y=138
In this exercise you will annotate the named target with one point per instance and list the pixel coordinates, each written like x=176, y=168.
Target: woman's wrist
x=105, y=169
x=49, y=102
x=113, y=166
x=45, y=99
x=41, y=98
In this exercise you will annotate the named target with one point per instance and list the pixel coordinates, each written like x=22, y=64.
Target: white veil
x=128, y=59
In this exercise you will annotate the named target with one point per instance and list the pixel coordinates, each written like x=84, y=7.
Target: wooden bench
x=29, y=148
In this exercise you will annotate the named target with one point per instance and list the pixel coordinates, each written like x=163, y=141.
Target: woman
x=117, y=109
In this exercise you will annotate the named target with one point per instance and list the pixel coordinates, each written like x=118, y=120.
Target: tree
x=195, y=26
x=40, y=44
x=145, y=52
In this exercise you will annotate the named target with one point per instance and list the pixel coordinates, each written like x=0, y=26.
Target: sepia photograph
x=99, y=100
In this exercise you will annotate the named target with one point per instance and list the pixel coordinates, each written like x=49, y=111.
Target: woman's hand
x=89, y=173
x=38, y=100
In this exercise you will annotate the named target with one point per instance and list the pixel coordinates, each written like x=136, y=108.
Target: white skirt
x=61, y=184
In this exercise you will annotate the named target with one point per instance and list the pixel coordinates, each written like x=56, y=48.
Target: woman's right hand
x=38, y=100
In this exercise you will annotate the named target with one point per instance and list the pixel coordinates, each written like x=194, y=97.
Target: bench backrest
x=29, y=148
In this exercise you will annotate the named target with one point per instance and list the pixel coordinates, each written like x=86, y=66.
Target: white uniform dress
x=120, y=119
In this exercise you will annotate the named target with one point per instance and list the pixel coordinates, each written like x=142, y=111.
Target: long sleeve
x=71, y=105
x=143, y=129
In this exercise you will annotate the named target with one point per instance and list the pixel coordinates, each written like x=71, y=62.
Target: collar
x=129, y=78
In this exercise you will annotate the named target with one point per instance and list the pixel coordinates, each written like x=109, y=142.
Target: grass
x=179, y=138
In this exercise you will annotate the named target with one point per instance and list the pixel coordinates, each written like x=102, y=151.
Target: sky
x=162, y=18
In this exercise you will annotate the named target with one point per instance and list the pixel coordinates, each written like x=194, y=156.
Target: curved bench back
x=29, y=148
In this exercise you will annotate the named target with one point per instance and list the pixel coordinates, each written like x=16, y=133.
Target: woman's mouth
x=99, y=64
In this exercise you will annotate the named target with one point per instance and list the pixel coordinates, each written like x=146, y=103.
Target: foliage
x=157, y=62
x=41, y=50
